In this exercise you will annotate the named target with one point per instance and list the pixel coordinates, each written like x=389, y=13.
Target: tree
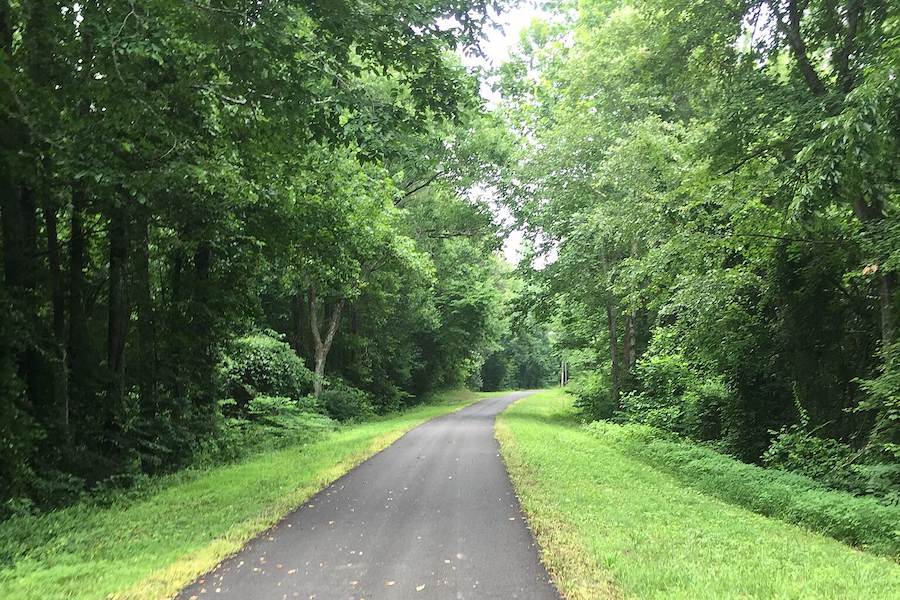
x=715, y=183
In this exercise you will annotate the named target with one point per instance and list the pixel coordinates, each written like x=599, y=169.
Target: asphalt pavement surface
x=433, y=516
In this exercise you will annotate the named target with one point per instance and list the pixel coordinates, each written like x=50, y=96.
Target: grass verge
x=612, y=526
x=150, y=547
x=863, y=522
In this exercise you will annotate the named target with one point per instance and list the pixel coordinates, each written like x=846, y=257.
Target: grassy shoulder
x=613, y=526
x=148, y=548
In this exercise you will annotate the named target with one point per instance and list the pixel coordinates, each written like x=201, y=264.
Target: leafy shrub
x=826, y=460
x=267, y=422
x=675, y=397
x=345, y=402
x=704, y=403
x=593, y=395
x=835, y=464
x=883, y=399
x=264, y=365
x=881, y=480
x=860, y=521
x=663, y=380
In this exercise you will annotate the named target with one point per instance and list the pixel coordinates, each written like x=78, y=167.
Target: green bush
x=663, y=381
x=833, y=463
x=266, y=423
x=704, y=403
x=263, y=365
x=860, y=521
x=593, y=395
x=883, y=400
x=345, y=402
x=826, y=460
x=672, y=395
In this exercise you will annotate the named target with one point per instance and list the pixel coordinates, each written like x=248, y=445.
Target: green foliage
x=664, y=381
x=265, y=423
x=709, y=190
x=525, y=357
x=153, y=540
x=883, y=398
x=346, y=403
x=263, y=365
x=795, y=449
x=183, y=175
x=862, y=522
x=611, y=523
x=593, y=395
x=672, y=395
x=707, y=406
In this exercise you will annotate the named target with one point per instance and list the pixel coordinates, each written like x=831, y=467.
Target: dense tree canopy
x=192, y=191
x=221, y=214
x=715, y=185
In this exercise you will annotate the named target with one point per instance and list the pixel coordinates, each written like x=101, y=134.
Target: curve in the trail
x=433, y=516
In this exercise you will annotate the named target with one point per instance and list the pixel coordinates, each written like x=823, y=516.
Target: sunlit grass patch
x=611, y=526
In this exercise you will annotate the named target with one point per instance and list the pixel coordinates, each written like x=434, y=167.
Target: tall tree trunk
x=148, y=376
x=57, y=299
x=32, y=360
x=19, y=230
x=77, y=336
x=872, y=216
x=611, y=321
x=322, y=345
x=174, y=354
x=297, y=323
x=613, y=349
x=117, y=323
x=203, y=326
x=13, y=236
x=629, y=341
x=886, y=288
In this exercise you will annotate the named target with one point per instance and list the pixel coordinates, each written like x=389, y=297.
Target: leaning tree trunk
x=321, y=346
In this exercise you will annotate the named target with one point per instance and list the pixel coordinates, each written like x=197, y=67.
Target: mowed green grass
x=151, y=547
x=610, y=526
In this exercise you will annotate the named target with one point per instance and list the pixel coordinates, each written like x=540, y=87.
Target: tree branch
x=842, y=56
x=791, y=28
x=753, y=155
x=421, y=186
x=439, y=234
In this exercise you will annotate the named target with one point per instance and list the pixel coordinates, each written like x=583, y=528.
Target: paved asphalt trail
x=433, y=516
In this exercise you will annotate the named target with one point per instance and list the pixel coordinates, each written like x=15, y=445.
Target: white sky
x=499, y=43
x=497, y=48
